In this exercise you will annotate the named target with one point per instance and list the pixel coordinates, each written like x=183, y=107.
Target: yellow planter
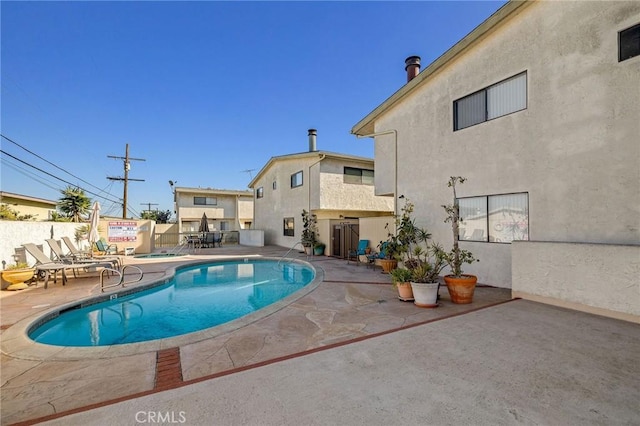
x=17, y=277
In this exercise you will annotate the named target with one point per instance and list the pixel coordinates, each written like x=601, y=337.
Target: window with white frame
x=288, y=226
x=495, y=218
x=205, y=201
x=358, y=176
x=260, y=192
x=495, y=101
x=296, y=179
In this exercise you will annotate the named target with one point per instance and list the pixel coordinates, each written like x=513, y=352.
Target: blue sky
x=203, y=91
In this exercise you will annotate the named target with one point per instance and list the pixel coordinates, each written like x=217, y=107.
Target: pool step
x=168, y=368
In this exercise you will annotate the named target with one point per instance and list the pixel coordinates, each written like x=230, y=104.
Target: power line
x=55, y=177
x=126, y=179
x=49, y=162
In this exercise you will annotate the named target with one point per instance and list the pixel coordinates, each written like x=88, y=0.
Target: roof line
x=457, y=49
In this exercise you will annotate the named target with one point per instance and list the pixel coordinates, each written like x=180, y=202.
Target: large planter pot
x=461, y=289
x=319, y=250
x=387, y=265
x=405, y=293
x=17, y=277
x=425, y=294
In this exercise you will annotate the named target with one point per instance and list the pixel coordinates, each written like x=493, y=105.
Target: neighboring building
x=539, y=108
x=337, y=188
x=226, y=210
x=40, y=208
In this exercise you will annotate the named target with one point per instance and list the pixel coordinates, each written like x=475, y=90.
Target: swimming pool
x=198, y=297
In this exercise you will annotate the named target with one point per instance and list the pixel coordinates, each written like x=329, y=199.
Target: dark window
x=296, y=179
x=500, y=99
x=288, y=227
x=629, y=43
x=358, y=176
x=205, y=201
x=273, y=185
x=260, y=192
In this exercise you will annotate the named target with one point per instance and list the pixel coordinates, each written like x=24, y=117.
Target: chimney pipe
x=312, y=140
x=412, y=66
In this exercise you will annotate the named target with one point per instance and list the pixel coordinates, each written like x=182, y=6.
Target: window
x=224, y=225
x=260, y=192
x=629, y=43
x=273, y=185
x=205, y=201
x=492, y=102
x=289, y=226
x=507, y=219
x=296, y=179
x=358, y=176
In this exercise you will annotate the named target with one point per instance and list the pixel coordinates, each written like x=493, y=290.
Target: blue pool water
x=199, y=297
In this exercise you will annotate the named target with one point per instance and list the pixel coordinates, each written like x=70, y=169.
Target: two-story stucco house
x=539, y=107
x=226, y=210
x=336, y=188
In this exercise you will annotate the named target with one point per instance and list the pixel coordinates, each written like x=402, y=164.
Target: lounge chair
x=104, y=248
x=79, y=255
x=47, y=266
x=56, y=249
x=360, y=251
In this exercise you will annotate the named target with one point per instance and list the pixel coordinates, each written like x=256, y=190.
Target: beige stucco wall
x=231, y=208
x=574, y=149
x=596, y=278
x=373, y=229
x=323, y=191
x=336, y=195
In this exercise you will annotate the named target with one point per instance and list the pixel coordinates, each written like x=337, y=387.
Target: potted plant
x=318, y=248
x=402, y=282
x=425, y=275
x=461, y=286
x=309, y=229
x=17, y=274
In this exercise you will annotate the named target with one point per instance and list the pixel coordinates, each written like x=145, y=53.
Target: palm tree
x=74, y=203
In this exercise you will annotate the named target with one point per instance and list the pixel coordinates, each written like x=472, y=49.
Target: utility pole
x=126, y=179
x=149, y=205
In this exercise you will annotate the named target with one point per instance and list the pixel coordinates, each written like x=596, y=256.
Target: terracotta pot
x=17, y=277
x=388, y=265
x=425, y=294
x=461, y=289
x=405, y=293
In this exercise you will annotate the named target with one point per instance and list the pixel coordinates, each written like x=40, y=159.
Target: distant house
x=226, y=210
x=539, y=108
x=337, y=188
x=40, y=208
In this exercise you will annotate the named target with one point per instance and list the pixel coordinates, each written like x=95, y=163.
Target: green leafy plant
x=309, y=229
x=456, y=256
x=17, y=265
x=400, y=275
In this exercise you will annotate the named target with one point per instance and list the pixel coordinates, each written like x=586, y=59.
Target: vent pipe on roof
x=312, y=140
x=412, y=66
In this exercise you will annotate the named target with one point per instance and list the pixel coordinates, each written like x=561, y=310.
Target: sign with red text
x=122, y=231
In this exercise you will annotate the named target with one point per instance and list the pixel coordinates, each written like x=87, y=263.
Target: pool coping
x=16, y=342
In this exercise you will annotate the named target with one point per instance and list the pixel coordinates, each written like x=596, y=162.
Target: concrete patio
x=349, y=352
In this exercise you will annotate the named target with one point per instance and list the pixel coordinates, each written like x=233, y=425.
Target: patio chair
x=360, y=251
x=217, y=239
x=209, y=240
x=47, y=266
x=104, y=248
x=371, y=258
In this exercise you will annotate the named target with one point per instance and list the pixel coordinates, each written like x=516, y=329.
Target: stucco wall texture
x=575, y=148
